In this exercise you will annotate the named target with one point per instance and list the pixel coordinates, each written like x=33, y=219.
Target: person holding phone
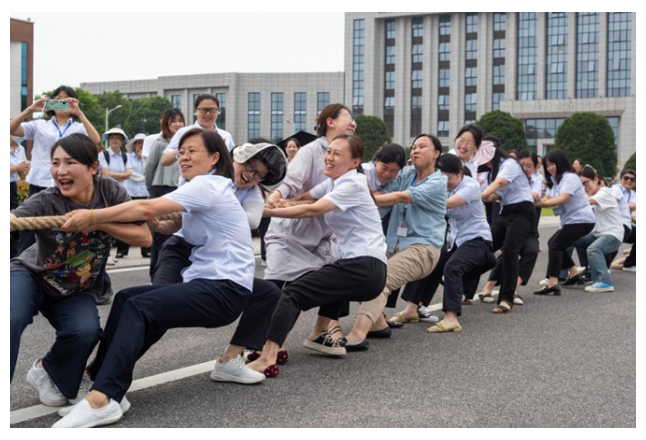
x=45, y=133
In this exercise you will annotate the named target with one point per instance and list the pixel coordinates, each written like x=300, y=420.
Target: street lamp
x=107, y=114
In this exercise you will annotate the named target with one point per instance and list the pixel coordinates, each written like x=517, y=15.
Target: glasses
x=191, y=152
x=586, y=183
x=347, y=116
x=462, y=142
x=255, y=174
x=208, y=110
x=628, y=179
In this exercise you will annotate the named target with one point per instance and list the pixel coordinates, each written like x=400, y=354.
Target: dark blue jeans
x=75, y=319
x=140, y=316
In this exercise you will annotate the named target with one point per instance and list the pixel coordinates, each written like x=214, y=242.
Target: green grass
x=547, y=212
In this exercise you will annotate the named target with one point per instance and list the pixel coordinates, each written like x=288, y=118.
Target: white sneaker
x=425, y=315
x=84, y=389
x=84, y=416
x=630, y=269
x=236, y=371
x=125, y=407
x=48, y=393
x=544, y=282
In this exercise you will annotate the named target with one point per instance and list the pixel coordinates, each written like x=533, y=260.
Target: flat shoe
x=441, y=327
x=394, y=324
x=466, y=302
x=282, y=357
x=380, y=334
x=518, y=300
x=361, y=346
x=399, y=317
x=502, y=310
x=556, y=290
x=271, y=371
x=487, y=298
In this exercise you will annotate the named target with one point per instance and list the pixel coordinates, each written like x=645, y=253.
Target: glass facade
x=418, y=27
x=391, y=29
x=499, y=61
x=472, y=23
x=322, y=101
x=300, y=111
x=177, y=101
x=587, y=55
x=417, y=53
x=416, y=79
x=24, y=91
x=222, y=114
x=527, y=51
x=277, y=105
x=497, y=97
x=445, y=51
x=499, y=75
x=253, y=115
x=556, y=68
x=444, y=75
x=443, y=128
x=499, y=47
x=619, y=47
x=389, y=71
x=499, y=21
x=472, y=49
x=470, y=102
x=358, y=67
x=444, y=79
x=445, y=25
x=443, y=102
x=390, y=80
x=471, y=76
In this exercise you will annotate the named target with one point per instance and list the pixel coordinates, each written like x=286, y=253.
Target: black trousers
x=630, y=237
x=254, y=322
x=528, y=256
x=264, y=226
x=559, y=257
x=158, y=239
x=509, y=231
x=140, y=316
x=354, y=279
x=13, y=204
x=461, y=268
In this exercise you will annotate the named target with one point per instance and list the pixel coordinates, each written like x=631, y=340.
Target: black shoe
x=395, y=324
x=105, y=298
x=573, y=281
x=556, y=290
x=380, y=334
x=361, y=346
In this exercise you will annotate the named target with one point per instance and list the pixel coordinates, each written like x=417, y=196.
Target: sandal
x=271, y=371
x=502, y=309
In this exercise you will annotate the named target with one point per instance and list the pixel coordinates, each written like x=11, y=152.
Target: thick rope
x=55, y=222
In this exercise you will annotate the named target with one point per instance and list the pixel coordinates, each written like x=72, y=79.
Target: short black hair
x=214, y=144
x=70, y=92
x=474, y=130
x=391, y=153
x=78, y=146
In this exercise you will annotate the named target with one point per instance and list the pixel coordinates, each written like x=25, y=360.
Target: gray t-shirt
x=69, y=263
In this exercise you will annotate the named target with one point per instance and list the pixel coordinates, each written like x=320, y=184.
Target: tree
x=505, y=127
x=631, y=163
x=110, y=100
x=144, y=115
x=374, y=133
x=589, y=136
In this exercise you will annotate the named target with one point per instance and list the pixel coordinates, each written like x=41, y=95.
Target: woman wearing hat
x=45, y=133
x=114, y=161
x=135, y=185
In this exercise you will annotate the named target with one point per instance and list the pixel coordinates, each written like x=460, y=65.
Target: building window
x=527, y=51
x=445, y=51
x=614, y=123
x=391, y=29
x=443, y=102
x=499, y=75
x=497, y=98
x=444, y=78
x=418, y=27
x=276, y=117
x=389, y=114
x=471, y=76
x=253, y=116
x=358, y=68
x=416, y=79
x=556, y=69
x=390, y=54
x=445, y=25
x=619, y=47
x=390, y=80
x=222, y=114
x=499, y=21
x=24, y=87
x=499, y=46
x=418, y=53
x=322, y=101
x=177, y=101
x=587, y=54
x=416, y=116
x=472, y=23
x=300, y=111
x=541, y=129
x=470, y=102
x=442, y=128
x=472, y=49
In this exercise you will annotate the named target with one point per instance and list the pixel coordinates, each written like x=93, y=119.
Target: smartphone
x=57, y=104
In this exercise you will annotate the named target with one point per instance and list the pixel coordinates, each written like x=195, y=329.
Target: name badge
x=402, y=232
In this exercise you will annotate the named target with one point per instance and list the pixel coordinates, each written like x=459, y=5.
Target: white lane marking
x=128, y=269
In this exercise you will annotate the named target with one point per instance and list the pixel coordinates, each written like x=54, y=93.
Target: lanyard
x=61, y=134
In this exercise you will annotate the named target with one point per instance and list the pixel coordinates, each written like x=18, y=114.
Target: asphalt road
x=566, y=361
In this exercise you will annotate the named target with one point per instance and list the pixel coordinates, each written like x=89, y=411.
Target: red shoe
x=271, y=371
x=254, y=355
x=282, y=357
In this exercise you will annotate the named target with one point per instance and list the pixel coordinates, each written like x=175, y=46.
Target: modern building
x=435, y=72
x=21, y=62
x=271, y=105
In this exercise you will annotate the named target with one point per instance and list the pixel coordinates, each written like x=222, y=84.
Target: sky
x=131, y=46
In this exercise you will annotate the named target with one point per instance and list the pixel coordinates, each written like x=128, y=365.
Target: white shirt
x=375, y=185
x=45, y=134
x=577, y=207
x=356, y=222
x=468, y=221
x=148, y=143
x=608, y=217
x=624, y=197
x=536, y=183
x=116, y=162
x=252, y=202
x=174, y=143
x=16, y=158
x=470, y=164
x=135, y=189
x=215, y=223
x=518, y=189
